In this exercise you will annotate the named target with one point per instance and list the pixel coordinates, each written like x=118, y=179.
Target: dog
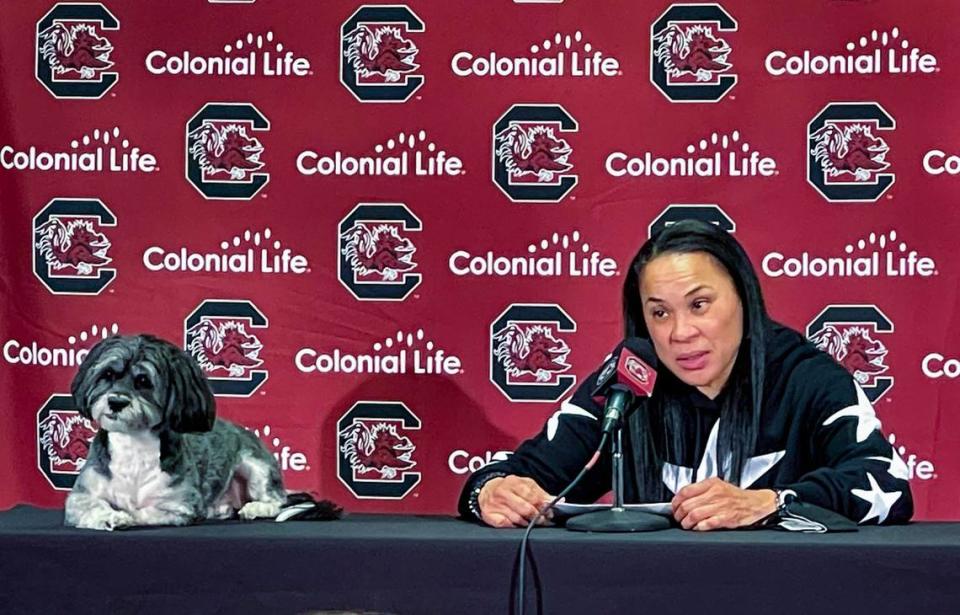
x=160, y=456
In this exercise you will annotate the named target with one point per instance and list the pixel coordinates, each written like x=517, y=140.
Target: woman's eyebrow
x=698, y=289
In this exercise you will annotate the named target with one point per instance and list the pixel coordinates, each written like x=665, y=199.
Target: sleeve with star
x=556, y=454
x=857, y=471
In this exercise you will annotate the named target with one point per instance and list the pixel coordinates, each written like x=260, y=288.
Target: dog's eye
x=142, y=382
x=109, y=375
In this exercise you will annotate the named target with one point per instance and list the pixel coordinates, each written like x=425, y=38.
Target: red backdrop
x=365, y=219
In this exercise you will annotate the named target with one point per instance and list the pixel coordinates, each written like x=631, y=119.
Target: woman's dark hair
x=742, y=396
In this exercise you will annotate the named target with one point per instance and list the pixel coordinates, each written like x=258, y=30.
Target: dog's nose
x=117, y=404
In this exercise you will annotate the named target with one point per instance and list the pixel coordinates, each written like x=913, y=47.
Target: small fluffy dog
x=161, y=457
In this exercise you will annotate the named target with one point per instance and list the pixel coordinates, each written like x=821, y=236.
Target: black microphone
x=629, y=373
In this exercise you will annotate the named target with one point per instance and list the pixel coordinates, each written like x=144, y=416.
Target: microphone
x=628, y=374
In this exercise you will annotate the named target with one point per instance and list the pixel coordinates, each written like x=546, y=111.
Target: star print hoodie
x=818, y=437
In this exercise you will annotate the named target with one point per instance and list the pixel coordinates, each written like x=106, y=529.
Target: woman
x=747, y=415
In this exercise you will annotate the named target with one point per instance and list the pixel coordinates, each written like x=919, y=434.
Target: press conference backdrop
x=394, y=235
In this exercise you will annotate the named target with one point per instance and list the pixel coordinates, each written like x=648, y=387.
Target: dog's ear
x=87, y=376
x=190, y=402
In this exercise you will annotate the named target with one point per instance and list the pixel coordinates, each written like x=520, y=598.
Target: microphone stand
x=617, y=518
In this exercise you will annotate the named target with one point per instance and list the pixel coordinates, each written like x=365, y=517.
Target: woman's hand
x=714, y=504
x=512, y=501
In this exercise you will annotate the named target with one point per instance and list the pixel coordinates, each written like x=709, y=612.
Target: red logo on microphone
x=636, y=374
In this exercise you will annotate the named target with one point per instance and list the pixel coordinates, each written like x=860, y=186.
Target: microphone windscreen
x=637, y=366
x=615, y=368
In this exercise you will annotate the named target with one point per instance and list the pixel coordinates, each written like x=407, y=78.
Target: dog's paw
x=259, y=510
x=108, y=520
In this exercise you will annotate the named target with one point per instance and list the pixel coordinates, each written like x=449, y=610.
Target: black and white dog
x=161, y=457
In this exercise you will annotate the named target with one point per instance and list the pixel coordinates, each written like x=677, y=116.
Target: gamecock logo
x=706, y=213
x=531, y=158
x=375, y=254
x=528, y=356
x=849, y=333
x=847, y=157
x=219, y=335
x=71, y=247
x=73, y=51
x=374, y=451
x=63, y=441
x=689, y=58
x=223, y=153
x=531, y=351
x=378, y=60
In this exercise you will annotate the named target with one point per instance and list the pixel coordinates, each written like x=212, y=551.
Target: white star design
x=867, y=420
x=880, y=501
x=565, y=408
x=898, y=467
x=677, y=477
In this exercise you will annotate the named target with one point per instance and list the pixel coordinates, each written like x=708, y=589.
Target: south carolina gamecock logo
x=531, y=153
x=528, y=355
x=63, y=441
x=378, y=60
x=376, y=252
x=851, y=335
x=73, y=50
x=689, y=56
x=71, y=247
x=375, y=450
x=220, y=336
x=224, y=153
x=530, y=352
x=706, y=213
x=847, y=155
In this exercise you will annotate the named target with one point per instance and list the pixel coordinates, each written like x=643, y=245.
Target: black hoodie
x=818, y=436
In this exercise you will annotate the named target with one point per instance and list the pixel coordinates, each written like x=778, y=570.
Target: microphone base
x=615, y=520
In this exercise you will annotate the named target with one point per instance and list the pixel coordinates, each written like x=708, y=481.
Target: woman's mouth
x=692, y=361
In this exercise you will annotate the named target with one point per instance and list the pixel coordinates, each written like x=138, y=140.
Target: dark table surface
x=423, y=564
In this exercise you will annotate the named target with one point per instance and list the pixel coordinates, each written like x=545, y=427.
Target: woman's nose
x=683, y=329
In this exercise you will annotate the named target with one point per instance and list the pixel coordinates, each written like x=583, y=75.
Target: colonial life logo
x=854, y=336
x=690, y=53
x=223, y=151
x=59, y=354
x=847, y=152
x=63, y=441
x=464, y=462
x=375, y=446
x=566, y=255
x=712, y=214
x=874, y=256
x=222, y=335
x=938, y=162
x=260, y=55
x=378, y=57
x=564, y=55
x=935, y=366
x=289, y=459
x=74, y=50
x=531, y=153
x=877, y=53
x=408, y=154
x=100, y=151
x=718, y=155
x=403, y=353
x=247, y=252
x=376, y=252
x=909, y=466
x=528, y=352
x=71, y=246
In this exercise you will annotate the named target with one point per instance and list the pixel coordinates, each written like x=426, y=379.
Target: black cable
x=546, y=509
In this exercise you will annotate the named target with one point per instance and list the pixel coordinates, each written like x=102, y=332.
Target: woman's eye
x=142, y=382
x=699, y=304
x=658, y=314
